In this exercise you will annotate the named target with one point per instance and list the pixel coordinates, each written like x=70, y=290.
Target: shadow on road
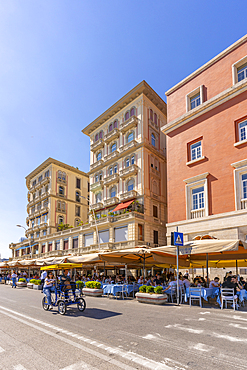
x=92, y=313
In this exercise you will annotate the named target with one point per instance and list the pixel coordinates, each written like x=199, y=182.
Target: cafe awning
x=123, y=205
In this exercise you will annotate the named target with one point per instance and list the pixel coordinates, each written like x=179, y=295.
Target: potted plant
x=37, y=284
x=93, y=289
x=22, y=282
x=31, y=283
x=150, y=294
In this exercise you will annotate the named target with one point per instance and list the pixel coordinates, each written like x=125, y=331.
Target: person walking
x=13, y=277
x=43, y=276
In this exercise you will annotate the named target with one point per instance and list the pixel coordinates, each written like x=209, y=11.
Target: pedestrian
x=43, y=276
x=13, y=277
x=49, y=287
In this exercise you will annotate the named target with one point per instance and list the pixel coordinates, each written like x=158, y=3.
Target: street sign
x=178, y=239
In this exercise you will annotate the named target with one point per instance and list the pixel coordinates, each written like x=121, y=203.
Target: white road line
x=1, y=350
x=202, y=347
x=229, y=337
x=205, y=313
x=130, y=356
x=79, y=366
x=184, y=328
x=19, y=367
x=238, y=326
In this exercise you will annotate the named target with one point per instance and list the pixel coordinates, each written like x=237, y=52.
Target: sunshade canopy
x=123, y=205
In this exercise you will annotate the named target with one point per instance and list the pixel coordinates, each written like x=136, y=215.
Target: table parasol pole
x=177, y=274
x=207, y=270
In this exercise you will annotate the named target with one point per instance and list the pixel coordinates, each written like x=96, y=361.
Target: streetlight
x=94, y=216
x=28, y=239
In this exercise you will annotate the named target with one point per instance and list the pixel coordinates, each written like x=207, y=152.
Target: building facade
x=207, y=148
x=127, y=184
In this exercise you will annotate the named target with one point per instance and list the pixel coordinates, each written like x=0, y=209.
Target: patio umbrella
x=86, y=258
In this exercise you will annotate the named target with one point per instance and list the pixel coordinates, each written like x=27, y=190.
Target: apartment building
x=128, y=169
x=207, y=148
x=57, y=194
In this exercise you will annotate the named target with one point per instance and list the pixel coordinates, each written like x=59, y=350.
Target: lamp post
x=94, y=216
x=28, y=239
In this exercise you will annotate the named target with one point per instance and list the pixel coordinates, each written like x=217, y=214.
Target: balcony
x=197, y=213
x=127, y=125
x=243, y=203
x=111, y=201
x=128, y=147
x=60, y=209
x=97, y=206
x=128, y=171
x=61, y=181
x=96, y=165
x=61, y=195
x=95, y=247
x=97, y=186
x=112, y=156
x=154, y=126
x=112, y=135
x=155, y=172
x=97, y=145
x=111, y=179
x=128, y=195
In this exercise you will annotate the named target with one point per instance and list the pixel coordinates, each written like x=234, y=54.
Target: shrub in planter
x=37, y=282
x=22, y=280
x=80, y=284
x=32, y=281
x=93, y=284
x=158, y=290
x=149, y=289
x=143, y=288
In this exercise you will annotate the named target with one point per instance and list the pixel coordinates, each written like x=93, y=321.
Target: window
x=197, y=196
x=37, y=234
x=127, y=116
x=196, y=150
x=242, y=72
x=152, y=165
x=101, y=135
x=100, y=176
x=88, y=239
x=155, y=211
x=38, y=220
x=77, y=222
x=121, y=234
x=39, y=206
x=130, y=185
x=40, y=178
x=32, y=222
x=34, y=182
x=43, y=248
x=96, y=178
x=77, y=196
x=113, y=147
x=115, y=168
x=195, y=101
x=61, y=176
x=75, y=242
x=45, y=203
x=61, y=190
x=46, y=188
x=130, y=137
x=98, y=198
x=60, y=220
x=104, y=236
x=99, y=156
x=34, y=196
x=115, y=123
x=244, y=186
x=44, y=232
x=66, y=244
x=140, y=232
x=113, y=191
x=156, y=237
x=132, y=112
x=33, y=209
x=153, y=140
x=127, y=162
x=194, y=98
x=110, y=171
x=78, y=183
x=110, y=127
x=96, y=137
x=155, y=119
x=47, y=173
x=77, y=211
x=151, y=114
x=49, y=247
x=242, y=131
x=132, y=159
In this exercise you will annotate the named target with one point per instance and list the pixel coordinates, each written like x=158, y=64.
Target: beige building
x=127, y=184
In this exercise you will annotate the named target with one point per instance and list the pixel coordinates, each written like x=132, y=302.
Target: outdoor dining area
x=158, y=272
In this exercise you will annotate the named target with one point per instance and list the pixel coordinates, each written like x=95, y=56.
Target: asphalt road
x=118, y=334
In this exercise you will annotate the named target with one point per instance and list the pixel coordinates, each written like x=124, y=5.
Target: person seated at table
x=214, y=283
x=170, y=284
x=186, y=282
x=241, y=281
x=140, y=280
x=158, y=280
x=231, y=283
x=180, y=282
x=150, y=281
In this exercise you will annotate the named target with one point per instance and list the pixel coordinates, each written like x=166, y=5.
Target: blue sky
x=64, y=62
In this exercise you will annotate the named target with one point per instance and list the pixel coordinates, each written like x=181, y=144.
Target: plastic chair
x=195, y=295
x=227, y=295
x=182, y=294
x=124, y=291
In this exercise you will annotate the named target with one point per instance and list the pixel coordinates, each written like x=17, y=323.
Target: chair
x=227, y=295
x=124, y=290
x=172, y=294
x=182, y=294
x=195, y=295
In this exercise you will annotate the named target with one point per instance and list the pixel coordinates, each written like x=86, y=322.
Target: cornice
x=205, y=107
x=208, y=64
x=141, y=88
x=240, y=164
x=48, y=162
x=203, y=176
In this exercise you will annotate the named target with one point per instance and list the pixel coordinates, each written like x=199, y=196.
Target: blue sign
x=178, y=239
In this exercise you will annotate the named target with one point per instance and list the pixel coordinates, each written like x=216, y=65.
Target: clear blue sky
x=64, y=62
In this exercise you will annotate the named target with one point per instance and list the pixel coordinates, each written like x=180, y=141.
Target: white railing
x=197, y=213
x=243, y=203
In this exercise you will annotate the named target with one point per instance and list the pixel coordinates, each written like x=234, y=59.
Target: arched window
x=77, y=222
x=96, y=178
x=98, y=198
x=127, y=116
x=77, y=196
x=110, y=171
x=127, y=162
x=113, y=192
x=100, y=176
x=132, y=161
x=101, y=135
x=115, y=168
x=115, y=123
x=132, y=112
x=153, y=139
x=130, y=137
x=60, y=220
x=130, y=185
x=113, y=147
x=61, y=190
x=155, y=118
x=110, y=127
x=99, y=156
x=96, y=137
x=151, y=114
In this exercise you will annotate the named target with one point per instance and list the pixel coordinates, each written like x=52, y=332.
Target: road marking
x=229, y=337
x=1, y=350
x=184, y=328
x=130, y=356
x=202, y=347
x=79, y=365
x=19, y=367
x=205, y=313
